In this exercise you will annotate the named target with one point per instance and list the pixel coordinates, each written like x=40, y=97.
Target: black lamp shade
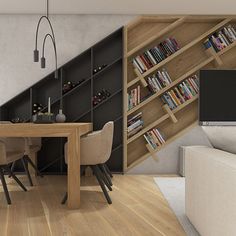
x=36, y=55
x=56, y=74
x=43, y=62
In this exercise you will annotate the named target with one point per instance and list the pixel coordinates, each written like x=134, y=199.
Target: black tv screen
x=217, y=105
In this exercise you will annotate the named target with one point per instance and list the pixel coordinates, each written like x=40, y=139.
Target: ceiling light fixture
x=47, y=36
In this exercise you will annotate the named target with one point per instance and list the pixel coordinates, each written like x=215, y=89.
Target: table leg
x=74, y=170
x=33, y=157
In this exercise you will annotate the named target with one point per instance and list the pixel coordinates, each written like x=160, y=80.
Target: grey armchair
x=95, y=151
x=11, y=150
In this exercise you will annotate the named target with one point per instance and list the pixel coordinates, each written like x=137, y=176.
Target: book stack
x=153, y=56
x=154, y=138
x=182, y=92
x=221, y=39
x=158, y=81
x=135, y=124
x=133, y=97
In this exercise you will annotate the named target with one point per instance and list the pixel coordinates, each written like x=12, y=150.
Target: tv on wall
x=217, y=99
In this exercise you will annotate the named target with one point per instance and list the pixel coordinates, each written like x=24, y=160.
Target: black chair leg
x=4, y=185
x=104, y=178
x=25, y=165
x=98, y=174
x=107, y=176
x=12, y=168
x=15, y=178
x=33, y=165
x=108, y=171
x=64, y=199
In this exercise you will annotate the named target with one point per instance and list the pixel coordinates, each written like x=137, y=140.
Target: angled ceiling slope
x=118, y=7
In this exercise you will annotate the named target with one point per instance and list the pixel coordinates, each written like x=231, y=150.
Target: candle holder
x=43, y=118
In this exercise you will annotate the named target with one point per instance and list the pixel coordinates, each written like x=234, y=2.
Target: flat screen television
x=217, y=98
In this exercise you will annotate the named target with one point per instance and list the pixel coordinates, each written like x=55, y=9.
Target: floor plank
x=138, y=208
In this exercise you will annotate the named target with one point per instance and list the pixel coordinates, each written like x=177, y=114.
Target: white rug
x=173, y=188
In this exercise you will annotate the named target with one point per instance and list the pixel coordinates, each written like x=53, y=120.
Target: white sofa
x=211, y=190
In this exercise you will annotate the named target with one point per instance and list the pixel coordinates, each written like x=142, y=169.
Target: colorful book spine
x=221, y=38
x=159, y=80
x=134, y=97
x=182, y=92
x=153, y=56
x=154, y=138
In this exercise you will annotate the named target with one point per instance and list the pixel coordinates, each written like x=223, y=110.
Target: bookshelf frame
x=140, y=35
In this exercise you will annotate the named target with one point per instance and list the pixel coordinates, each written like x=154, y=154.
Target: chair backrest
x=96, y=146
x=107, y=139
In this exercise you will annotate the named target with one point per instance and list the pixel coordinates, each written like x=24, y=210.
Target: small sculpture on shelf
x=70, y=85
x=100, y=96
x=96, y=70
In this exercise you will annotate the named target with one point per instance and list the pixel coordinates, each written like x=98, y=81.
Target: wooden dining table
x=73, y=132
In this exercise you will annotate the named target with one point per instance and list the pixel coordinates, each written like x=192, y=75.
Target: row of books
x=221, y=39
x=133, y=97
x=153, y=56
x=182, y=92
x=134, y=124
x=154, y=138
x=158, y=81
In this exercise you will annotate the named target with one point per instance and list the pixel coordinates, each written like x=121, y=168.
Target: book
x=134, y=131
x=134, y=97
x=134, y=119
x=179, y=94
x=135, y=125
x=155, y=55
x=167, y=100
x=221, y=38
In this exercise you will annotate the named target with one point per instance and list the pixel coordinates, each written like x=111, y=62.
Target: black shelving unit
x=77, y=103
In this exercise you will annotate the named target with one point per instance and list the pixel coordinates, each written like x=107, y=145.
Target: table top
x=43, y=130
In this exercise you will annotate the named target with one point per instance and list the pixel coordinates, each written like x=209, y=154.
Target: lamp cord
x=47, y=8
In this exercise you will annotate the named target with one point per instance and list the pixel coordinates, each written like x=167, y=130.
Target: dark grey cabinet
x=77, y=103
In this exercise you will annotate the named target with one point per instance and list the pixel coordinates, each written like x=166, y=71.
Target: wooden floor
x=138, y=209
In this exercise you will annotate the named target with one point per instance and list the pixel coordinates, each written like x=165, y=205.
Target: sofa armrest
x=211, y=190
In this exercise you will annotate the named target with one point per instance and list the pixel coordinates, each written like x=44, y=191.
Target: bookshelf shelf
x=182, y=50
x=172, y=26
x=106, y=68
x=147, y=32
x=163, y=118
x=106, y=100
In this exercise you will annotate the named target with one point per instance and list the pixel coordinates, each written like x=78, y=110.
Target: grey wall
x=74, y=33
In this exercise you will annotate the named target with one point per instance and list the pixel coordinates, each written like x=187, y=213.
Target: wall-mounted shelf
x=145, y=33
x=77, y=103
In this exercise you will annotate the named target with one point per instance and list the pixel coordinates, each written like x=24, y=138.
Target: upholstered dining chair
x=11, y=149
x=31, y=148
x=95, y=150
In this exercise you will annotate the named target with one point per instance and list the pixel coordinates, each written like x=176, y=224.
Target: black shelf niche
x=77, y=103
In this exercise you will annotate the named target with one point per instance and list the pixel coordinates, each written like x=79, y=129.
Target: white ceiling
x=119, y=6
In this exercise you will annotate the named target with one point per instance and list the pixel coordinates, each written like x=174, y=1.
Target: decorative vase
x=60, y=118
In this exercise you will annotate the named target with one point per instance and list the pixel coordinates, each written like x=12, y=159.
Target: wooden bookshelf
x=190, y=32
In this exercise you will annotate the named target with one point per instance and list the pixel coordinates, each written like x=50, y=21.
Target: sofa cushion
x=222, y=137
